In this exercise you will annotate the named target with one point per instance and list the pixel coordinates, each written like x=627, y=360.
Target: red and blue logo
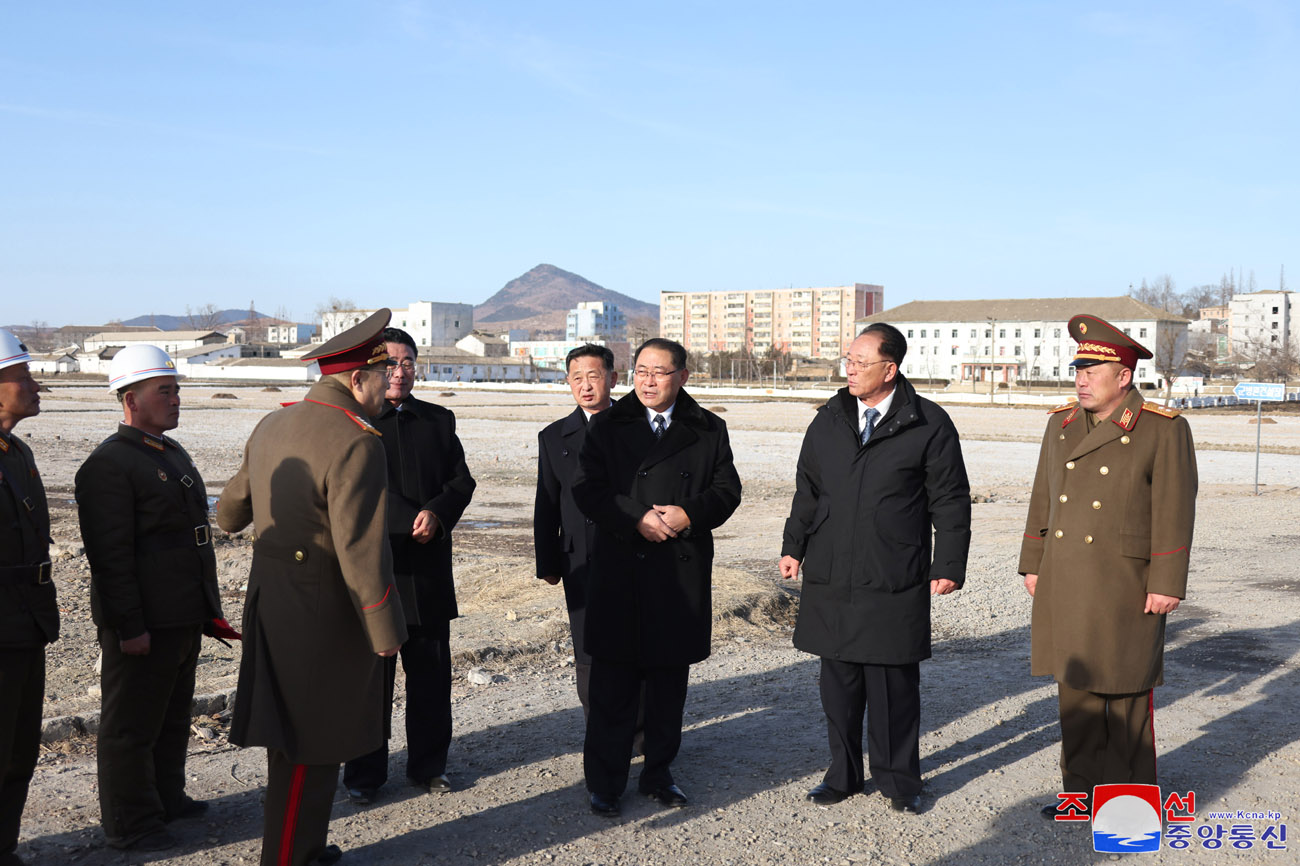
x=1126, y=818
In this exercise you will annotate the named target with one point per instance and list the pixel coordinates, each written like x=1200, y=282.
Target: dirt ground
x=1227, y=723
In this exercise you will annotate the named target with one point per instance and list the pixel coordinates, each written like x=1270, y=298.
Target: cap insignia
x=1083, y=327
x=162, y=476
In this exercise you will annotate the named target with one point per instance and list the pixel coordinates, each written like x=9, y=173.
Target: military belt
x=199, y=536
x=20, y=575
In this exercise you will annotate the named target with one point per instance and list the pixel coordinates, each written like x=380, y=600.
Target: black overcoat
x=426, y=472
x=563, y=537
x=29, y=610
x=861, y=521
x=650, y=604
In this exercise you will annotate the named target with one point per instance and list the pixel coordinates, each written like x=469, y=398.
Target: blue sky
x=161, y=154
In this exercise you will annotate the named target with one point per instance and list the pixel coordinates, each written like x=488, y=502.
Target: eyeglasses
x=656, y=373
x=855, y=364
x=396, y=368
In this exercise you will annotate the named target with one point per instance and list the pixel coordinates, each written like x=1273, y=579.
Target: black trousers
x=581, y=661
x=426, y=660
x=22, y=696
x=616, y=692
x=890, y=698
x=1106, y=739
x=297, y=809
x=144, y=730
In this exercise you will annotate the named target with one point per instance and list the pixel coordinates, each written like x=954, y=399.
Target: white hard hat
x=12, y=351
x=139, y=362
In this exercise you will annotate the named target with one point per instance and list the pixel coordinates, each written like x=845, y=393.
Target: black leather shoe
x=156, y=840
x=361, y=796
x=436, y=785
x=331, y=854
x=606, y=807
x=825, y=795
x=12, y=859
x=669, y=795
x=910, y=803
x=1051, y=810
x=189, y=808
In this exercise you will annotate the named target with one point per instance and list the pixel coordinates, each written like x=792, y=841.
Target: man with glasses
x=29, y=611
x=880, y=467
x=322, y=611
x=562, y=535
x=656, y=475
x=429, y=487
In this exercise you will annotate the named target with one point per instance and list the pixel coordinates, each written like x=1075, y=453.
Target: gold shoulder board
x=1063, y=407
x=1163, y=411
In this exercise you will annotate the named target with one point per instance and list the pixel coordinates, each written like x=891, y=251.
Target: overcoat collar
x=328, y=391
x=688, y=420
x=903, y=413
x=574, y=422
x=1121, y=421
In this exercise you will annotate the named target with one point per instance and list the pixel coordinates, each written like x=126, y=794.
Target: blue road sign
x=1260, y=391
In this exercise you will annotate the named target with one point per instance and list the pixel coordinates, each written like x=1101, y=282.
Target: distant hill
x=539, y=300
x=198, y=321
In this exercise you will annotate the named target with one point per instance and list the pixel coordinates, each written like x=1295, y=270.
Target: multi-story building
x=1025, y=340
x=807, y=323
x=1263, y=323
x=592, y=320
x=290, y=333
x=428, y=322
x=550, y=354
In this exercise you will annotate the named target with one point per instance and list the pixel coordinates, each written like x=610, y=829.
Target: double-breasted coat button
x=299, y=555
x=564, y=452
x=590, y=521
x=1124, y=440
x=643, y=473
x=640, y=556
x=1064, y=498
x=683, y=556
x=1087, y=539
x=1096, y=503
x=1062, y=435
x=1060, y=534
x=1069, y=465
x=1105, y=470
x=686, y=475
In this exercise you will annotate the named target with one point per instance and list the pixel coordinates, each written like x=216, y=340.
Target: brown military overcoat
x=1110, y=520
x=321, y=598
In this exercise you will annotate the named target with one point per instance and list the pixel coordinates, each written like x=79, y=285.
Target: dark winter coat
x=650, y=604
x=860, y=524
x=563, y=537
x=29, y=611
x=321, y=597
x=426, y=472
x=144, y=520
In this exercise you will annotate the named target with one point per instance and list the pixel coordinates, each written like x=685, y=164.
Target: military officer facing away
x=1105, y=557
x=322, y=610
x=153, y=588
x=29, y=613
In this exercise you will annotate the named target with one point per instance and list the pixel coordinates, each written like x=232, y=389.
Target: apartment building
x=806, y=322
x=1024, y=339
x=428, y=322
x=1263, y=323
x=592, y=320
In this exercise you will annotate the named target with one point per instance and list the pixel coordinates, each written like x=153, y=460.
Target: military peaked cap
x=1101, y=342
x=359, y=346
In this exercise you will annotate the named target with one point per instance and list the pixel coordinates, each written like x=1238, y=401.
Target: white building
x=551, y=353
x=429, y=323
x=290, y=333
x=1263, y=323
x=595, y=319
x=1025, y=340
x=169, y=341
x=483, y=345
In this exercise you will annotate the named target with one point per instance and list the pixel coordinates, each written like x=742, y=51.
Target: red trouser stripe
x=291, y=814
x=1151, y=714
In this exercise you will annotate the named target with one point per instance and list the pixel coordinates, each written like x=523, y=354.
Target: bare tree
x=1170, y=355
x=205, y=318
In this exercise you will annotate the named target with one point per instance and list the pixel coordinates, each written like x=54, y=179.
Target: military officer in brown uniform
x=29, y=614
x=1105, y=557
x=322, y=610
x=153, y=589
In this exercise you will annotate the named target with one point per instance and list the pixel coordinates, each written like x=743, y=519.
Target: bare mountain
x=539, y=300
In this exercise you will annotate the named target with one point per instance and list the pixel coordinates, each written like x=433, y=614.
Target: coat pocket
x=818, y=557
x=1135, y=546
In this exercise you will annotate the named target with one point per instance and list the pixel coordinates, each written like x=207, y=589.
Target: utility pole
x=993, y=341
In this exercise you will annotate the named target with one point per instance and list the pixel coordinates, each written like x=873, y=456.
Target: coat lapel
x=1107, y=431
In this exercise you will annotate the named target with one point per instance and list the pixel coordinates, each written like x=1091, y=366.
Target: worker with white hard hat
x=29, y=612
x=153, y=594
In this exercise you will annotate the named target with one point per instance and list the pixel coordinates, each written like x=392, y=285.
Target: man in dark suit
x=562, y=535
x=879, y=467
x=656, y=474
x=429, y=487
x=29, y=611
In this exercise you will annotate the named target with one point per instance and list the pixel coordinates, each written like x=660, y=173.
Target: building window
x=1058, y=333
x=1142, y=332
x=909, y=333
x=923, y=333
x=954, y=371
x=1002, y=333
x=1056, y=372
x=1017, y=334
x=1275, y=311
x=988, y=333
x=954, y=350
x=1017, y=351
x=954, y=333
x=1037, y=333
x=972, y=333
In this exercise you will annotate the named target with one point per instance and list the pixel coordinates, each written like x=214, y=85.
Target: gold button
x=1064, y=498
x=1070, y=465
x=1062, y=435
x=1105, y=470
x=1096, y=504
x=1125, y=440
x=299, y=555
x=1060, y=534
x=1087, y=539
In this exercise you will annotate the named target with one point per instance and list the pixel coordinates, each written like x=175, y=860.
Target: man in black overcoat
x=880, y=466
x=563, y=537
x=429, y=488
x=656, y=474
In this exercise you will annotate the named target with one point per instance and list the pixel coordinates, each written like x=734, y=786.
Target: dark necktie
x=872, y=415
x=660, y=426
